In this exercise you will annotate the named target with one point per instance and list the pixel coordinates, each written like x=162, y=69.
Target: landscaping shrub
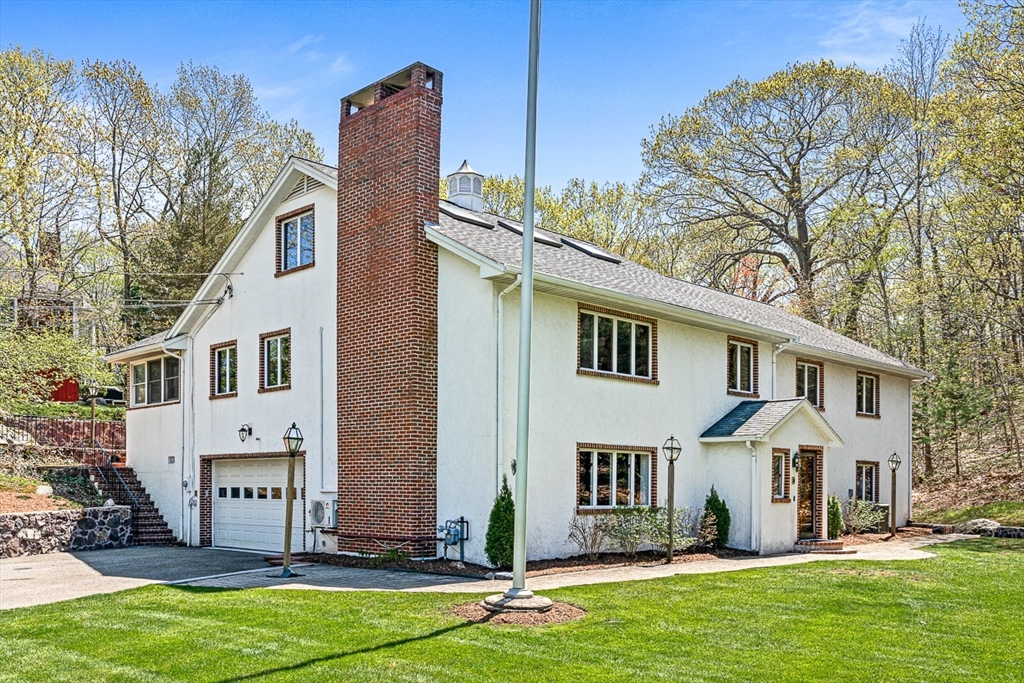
x=835, y=517
x=687, y=531
x=630, y=527
x=588, y=533
x=860, y=515
x=715, y=506
x=501, y=528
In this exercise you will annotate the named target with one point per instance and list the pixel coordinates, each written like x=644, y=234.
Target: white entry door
x=248, y=504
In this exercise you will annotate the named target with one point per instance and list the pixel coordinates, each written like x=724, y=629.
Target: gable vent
x=306, y=184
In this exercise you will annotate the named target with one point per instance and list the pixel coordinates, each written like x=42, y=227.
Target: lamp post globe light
x=894, y=464
x=292, y=442
x=671, y=449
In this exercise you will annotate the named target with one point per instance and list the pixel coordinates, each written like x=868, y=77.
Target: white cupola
x=466, y=188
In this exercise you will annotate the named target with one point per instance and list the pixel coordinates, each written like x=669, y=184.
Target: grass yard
x=1007, y=512
x=958, y=617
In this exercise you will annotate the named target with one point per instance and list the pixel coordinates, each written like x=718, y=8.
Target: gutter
x=499, y=383
x=754, y=503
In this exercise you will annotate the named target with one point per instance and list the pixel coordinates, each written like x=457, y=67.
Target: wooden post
x=671, y=508
x=92, y=423
x=892, y=506
x=289, y=498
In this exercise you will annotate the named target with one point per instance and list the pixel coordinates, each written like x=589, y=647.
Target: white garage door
x=248, y=504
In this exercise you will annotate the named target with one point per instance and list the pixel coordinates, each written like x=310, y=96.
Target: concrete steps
x=822, y=546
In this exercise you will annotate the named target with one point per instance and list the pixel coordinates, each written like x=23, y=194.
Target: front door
x=806, y=494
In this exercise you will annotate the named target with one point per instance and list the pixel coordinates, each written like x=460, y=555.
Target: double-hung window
x=809, y=381
x=296, y=232
x=867, y=394
x=616, y=344
x=742, y=370
x=867, y=482
x=156, y=381
x=275, y=360
x=610, y=478
x=224, y=368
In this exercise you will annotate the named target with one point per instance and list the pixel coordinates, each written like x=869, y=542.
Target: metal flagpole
x=518, y=589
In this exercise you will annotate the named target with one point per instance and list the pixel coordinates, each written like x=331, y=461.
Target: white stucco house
x=384, y=323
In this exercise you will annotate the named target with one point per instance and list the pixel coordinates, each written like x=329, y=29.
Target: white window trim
x=867, y=396
x=781, y=471
x=858, y=491
x=217, y=370
x=614, y=479
x=280, y=365
x=297, y=220
x=736, y=370
x=801, y=368
x=163, y=382
x=615, y=344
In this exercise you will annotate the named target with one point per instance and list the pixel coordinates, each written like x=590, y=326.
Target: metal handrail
x=135, y=505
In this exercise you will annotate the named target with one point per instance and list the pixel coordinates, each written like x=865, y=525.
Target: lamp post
x=292, y=442
x=94, y=390
x=672, y=451
x=894, y=464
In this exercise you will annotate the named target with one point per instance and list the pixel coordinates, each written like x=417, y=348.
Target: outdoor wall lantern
x=796, y=458
x=894, y=464
x=671, y=449
x=292, y=442
x=244, y=431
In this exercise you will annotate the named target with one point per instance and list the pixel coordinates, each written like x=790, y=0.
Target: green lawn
x=1008, y=512
x=954, y=618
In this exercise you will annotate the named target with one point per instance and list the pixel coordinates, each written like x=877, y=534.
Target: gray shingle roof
x=627, y=277
x=752, y=419
x=329, y=170
x=152, y=339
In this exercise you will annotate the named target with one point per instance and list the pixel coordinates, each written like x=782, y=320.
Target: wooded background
x=886, y=205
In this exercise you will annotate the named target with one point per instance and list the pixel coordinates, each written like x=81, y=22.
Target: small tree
x=588, y=533
x=860, y=515
x=835, y=517
x=715, y=506
x=629, y=527
x=501, y=528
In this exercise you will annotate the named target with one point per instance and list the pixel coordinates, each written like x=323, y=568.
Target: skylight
x=460, y=214
x=537, y=236
x=591, y=250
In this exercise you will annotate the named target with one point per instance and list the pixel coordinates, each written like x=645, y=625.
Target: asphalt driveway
x=39, y=579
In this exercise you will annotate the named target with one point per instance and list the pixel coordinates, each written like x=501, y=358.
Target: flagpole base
x=516, y=600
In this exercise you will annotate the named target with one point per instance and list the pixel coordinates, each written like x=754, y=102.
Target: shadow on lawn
x=341, y=655
x=988, y=544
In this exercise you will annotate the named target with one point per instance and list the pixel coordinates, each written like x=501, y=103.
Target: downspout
x=753, y=497
x=323, y=459
x=776, y=349
x=184, y=481
x=499, y=355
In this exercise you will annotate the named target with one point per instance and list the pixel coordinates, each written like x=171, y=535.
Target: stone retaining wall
x=36, y=533
x=1005, y=532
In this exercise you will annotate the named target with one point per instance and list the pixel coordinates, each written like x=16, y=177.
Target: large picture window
x=156, y=381
x=616, y=345
x=611, y=478
x=224, y=370
x=867, y=394
x=742, y=367
x=810, y=380
x=275, y=360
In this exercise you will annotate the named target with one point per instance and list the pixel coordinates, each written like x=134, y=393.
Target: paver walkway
x=328, y=578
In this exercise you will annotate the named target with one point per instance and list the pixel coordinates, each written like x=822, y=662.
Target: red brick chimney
x=389, y=149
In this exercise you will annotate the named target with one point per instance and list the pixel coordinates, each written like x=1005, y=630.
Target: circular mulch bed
x=560, y=613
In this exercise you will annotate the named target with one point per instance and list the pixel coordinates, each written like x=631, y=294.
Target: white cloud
x=869, y=32
x=303, y=42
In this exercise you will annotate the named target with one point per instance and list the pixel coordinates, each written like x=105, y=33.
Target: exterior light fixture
x=894, y=464
x=671, y=449
x=292, y=442
x=796, y=458
x=244, y=431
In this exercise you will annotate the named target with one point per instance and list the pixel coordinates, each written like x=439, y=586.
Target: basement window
x=156, y=381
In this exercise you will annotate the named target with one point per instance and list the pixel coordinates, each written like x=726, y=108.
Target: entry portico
x=782, y=497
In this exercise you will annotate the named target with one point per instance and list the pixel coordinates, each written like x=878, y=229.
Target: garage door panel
x=254, y=522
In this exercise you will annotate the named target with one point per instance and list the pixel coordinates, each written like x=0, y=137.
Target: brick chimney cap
x=416, y=73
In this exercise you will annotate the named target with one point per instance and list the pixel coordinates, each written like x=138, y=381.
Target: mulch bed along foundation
x=560, y=613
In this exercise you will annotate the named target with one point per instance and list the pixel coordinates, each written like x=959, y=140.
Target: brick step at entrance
x=148, y=525
x=821, y=546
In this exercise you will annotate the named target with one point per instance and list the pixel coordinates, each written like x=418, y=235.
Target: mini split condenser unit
x=323, y=514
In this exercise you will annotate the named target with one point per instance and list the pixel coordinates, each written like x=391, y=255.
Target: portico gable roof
x=758, y=420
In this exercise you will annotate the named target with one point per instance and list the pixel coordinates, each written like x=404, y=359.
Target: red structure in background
x=66, y=391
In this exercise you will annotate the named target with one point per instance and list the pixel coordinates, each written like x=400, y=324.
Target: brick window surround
x=286, y=332
x=653, y=379
x=878, y=394
x=878, y=477
x=213, y=369
x=587, y=446
x=819, y=485
x=755, y=380
x=278, y=254
x=206, y=490
x=821, y=379
x=787, y=475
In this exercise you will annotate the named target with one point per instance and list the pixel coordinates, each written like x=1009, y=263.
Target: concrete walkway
x=328, y=578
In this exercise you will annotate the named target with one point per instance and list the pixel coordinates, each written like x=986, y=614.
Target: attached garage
x=248, y=504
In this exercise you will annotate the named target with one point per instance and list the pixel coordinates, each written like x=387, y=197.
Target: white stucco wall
x=304, y=301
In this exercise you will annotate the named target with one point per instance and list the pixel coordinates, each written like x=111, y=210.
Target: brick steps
x=148, y=525
x=821, y=546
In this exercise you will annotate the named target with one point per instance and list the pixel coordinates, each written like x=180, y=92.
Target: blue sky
x=608, y=72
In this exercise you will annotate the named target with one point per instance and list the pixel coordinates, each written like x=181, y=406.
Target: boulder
x=976, y=526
